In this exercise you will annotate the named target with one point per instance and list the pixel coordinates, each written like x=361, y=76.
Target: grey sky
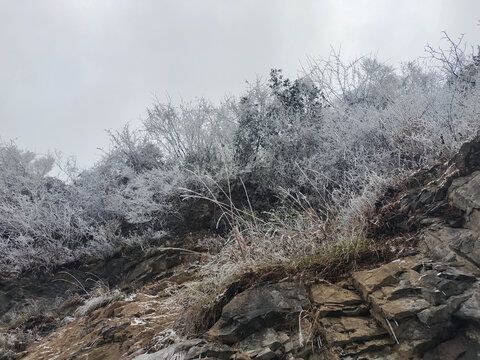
x=69, y=69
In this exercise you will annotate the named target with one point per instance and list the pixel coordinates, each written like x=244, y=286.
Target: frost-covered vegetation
x=323, y=144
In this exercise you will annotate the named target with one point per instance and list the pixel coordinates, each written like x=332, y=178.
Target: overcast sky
x=69, y=69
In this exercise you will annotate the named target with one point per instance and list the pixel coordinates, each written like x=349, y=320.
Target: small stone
x=343, y=330
x=265, y=339
x=325, y=293
x=404, y=307
x=266, y=354
x=470, y=309
x=386, y=275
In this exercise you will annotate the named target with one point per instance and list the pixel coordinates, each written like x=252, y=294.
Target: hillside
x=331, y=216
x=412, y=292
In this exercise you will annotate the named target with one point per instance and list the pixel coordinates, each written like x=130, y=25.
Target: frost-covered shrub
x=278, y=127
x=132, y=183
x=397, y=121
x=197, y=135
x=336, y=135
x=40, y=222
x=45, y=222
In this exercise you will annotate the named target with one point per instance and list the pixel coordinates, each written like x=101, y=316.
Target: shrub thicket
x=327, y=141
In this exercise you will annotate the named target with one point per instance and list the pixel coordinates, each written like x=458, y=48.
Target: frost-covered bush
x=132, y=183
x=196, y=135
x=335, y=135
x=40, y=222
x=278, y=126
x=45, y=222
x=387, y=121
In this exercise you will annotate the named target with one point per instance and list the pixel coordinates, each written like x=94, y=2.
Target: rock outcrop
x=410, y=308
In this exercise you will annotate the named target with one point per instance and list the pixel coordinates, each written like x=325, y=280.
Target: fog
x=71, y=69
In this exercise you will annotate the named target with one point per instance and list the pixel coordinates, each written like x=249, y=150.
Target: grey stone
x=470, y=309
x=464, y=193
x=189, y=350
x=254, y=344
x=257, y=308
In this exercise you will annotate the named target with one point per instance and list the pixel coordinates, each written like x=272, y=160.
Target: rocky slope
x=425, y=304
